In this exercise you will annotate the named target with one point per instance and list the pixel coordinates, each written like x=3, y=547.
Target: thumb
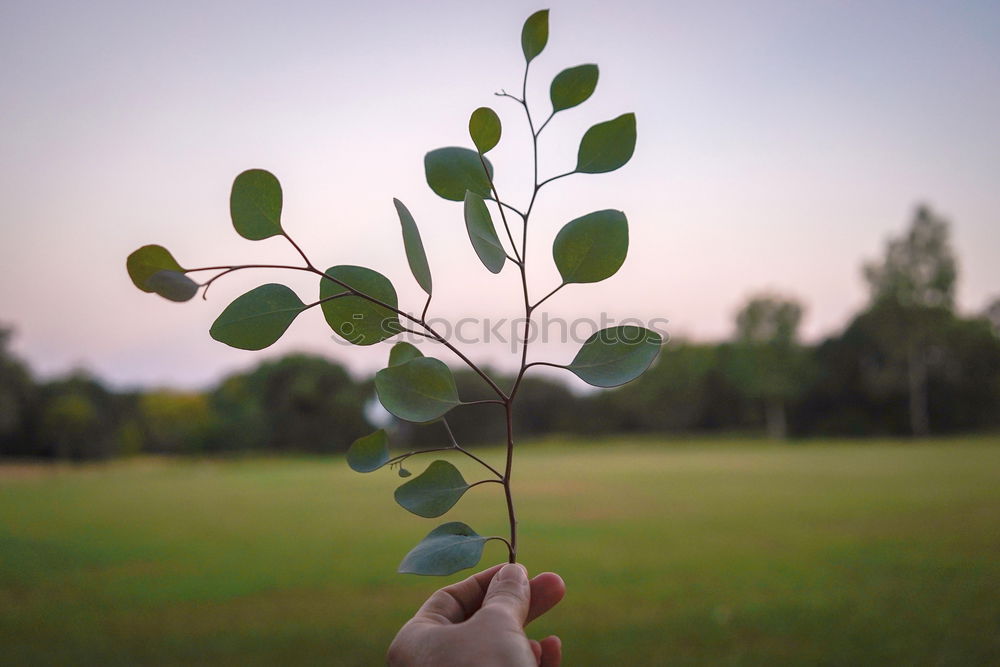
x=509, y=594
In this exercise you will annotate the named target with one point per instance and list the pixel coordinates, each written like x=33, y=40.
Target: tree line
x=908, y=363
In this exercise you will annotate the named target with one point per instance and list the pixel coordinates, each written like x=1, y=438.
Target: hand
x=480, y=621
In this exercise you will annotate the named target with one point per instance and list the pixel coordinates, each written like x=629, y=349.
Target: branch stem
x=503, y=216
x=544, y=298
x=486, y=481
x=310, y=268
x=510, y=548
x=454, y=444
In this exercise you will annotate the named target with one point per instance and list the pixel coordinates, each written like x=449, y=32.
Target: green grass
x=709, y=553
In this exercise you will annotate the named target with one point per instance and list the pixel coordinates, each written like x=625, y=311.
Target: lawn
x=708, y=552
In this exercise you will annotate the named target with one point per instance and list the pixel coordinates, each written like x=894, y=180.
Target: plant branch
x=503, y=216
x=544, y=298
x=297, y=249
x=454, y=444
x=325, y=299
x=511, y=208
x=453, y=447
x=543, y=363
x=509, y=402
x=504, y=93
x=486, y=481
x=378, y=302
x=556, y=178
x=402, y=457
x=544, y=124
x=427, y=305
x=510, y=549
x=488, y=401
x=511, y=514
x=230, y=269
x=416, y=333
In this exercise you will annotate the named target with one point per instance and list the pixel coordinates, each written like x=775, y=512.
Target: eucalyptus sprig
x=360, y=305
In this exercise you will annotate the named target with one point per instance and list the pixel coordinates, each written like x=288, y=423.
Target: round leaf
x=535, y=34
x=146, y=261
x=591, y=248
x=484, y=128
x=258, y=318
x=255, y=205
x=403, y=472
x=607, y=146
x=415, y=254
x=402, y=352
x=447, y=549
x=355, y=319
x=172, y=285
x=615, y=356
x=369, y=453
x=482, y=233
x=434, y=491
x=573, y=86
x=420, y=390
x=451, y=171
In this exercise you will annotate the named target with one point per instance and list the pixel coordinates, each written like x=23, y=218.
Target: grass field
x=702, y=553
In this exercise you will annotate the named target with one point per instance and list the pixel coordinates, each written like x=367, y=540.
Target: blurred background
x=808, y=474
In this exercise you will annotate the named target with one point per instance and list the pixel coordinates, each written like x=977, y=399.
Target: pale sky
x=780, y=144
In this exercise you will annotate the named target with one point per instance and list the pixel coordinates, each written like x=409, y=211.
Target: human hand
x=480, y=621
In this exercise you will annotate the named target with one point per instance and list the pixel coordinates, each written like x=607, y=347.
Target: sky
x=780, y=144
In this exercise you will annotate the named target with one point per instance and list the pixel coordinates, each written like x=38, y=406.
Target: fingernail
x=512, y=572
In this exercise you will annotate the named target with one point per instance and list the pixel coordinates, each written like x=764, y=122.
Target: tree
x=913, y=289
x=173, y=422
x=16, y=396
x=77, y=418
x=296, y=403
x=992, y=315
x=919, y=268
x=767, y=362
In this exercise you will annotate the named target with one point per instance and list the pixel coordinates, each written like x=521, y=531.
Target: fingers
x=548, y=652
x=457, y=602
x=536, y=650
x=547, y=589
x=509, y=594
x=551, y=652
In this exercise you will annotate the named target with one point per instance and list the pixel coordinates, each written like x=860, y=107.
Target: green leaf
x=434, y=491
x=447, y=549
x=415, y=254
x=451, y=171
x=258, y=318
x=535, y=34
x=403, y=472
x=255, y=205
x=402, y=352
x=482, y=233
x=573, y=86
x=172, y=285
x=591, y=248
x=369, y=453
x=353, y=318
x=146, y=261
x=420, y=390
x=616, y=355
x=607, y=146
x=484, y=128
